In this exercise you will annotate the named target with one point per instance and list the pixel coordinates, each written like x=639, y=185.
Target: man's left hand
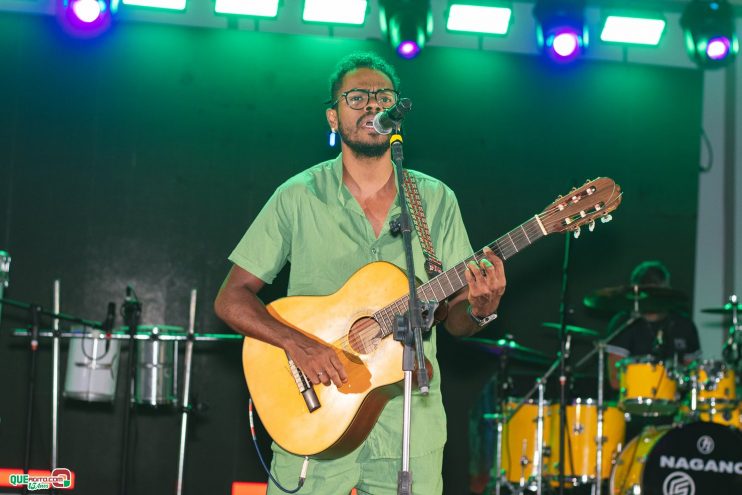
x=487, y=282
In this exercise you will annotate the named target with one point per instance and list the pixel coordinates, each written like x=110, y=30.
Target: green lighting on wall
x=635, y=30
x=478, y=19
x=335, y=11
x=257, y=8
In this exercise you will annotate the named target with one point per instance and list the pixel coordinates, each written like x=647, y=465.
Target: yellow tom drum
x=581, y=440
x=519, y=440
x=647, y=389
x=714, y=384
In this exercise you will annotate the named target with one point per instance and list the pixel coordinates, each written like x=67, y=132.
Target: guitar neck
x=447, y=283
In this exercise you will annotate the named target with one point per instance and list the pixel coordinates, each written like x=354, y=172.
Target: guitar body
x=347, y=413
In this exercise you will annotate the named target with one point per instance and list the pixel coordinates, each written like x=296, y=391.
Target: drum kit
x=93, y=363
x=698, y=449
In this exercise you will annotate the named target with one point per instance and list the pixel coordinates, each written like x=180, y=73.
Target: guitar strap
x=433, y=266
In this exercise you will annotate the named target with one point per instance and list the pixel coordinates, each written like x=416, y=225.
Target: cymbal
x=727, y=308
x=580, y=331
x=650, y=299
x=511, y=348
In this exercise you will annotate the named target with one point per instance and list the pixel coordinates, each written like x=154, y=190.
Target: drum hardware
x=508, y=346
x=628, y=298
x=732, y=350
x=575, y=330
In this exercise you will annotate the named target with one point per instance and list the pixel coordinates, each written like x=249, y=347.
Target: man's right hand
x=317, y=360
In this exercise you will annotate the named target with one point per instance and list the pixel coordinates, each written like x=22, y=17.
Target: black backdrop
x=140, y=158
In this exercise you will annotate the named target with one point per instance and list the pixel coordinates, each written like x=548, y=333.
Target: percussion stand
x=132, y=310
x=185, y=404
x=731, y=351
x=599, y=348
x=564, y=339
x=502, y=378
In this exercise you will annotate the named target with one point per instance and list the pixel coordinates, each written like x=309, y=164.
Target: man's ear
x=332, y=118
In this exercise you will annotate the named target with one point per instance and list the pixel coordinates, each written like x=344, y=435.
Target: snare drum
x=519, y=440
x=581, y=435
x=92, y=368
x=713, y=382
x=647, y=389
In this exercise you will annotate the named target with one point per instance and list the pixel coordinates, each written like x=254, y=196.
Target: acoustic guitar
x=358, y=320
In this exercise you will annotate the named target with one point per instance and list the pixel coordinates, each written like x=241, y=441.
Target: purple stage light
x=408, y=49
x=564, y=45
x=85, y=18
x=718, y=48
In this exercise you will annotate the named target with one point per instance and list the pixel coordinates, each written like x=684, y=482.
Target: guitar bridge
x=305, y=386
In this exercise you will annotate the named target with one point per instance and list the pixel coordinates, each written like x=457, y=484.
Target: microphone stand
x=409, y=327
x=132, y=310
x=4, y=277
x=564, y=339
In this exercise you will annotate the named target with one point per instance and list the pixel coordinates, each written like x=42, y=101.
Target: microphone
x=4, y=269
x=110, y=318
x=390, y=119
x=658, y=343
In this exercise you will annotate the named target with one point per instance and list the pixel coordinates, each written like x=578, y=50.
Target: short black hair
x=360, y=60
x=650, y=273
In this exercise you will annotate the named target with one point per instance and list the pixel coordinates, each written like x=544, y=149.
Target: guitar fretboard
x=447, y=283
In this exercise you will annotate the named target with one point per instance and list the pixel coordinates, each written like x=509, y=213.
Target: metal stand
x=600, y=346
x=4, y=277
x=31, y=389
x=55, y=375
x=132, y=310
x=564, y=340
x=409, y=329
x=186, y=404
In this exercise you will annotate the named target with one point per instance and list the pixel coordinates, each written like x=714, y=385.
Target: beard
x=361, y=149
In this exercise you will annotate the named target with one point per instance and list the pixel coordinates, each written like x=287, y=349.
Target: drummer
x=667, y=335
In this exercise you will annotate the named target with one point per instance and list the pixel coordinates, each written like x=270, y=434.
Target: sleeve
x=266, y=246
x=455, y=245
x=621, y=345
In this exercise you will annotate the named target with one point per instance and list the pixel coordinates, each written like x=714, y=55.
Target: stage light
x=85, y=18
x=634, y=30
x=255, y=8
x=480, y=18
x=710, y=37
x=561, y=32
x=407, y=25
x=335, y=11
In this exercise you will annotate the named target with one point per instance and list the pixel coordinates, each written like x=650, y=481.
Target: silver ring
x=320, y=373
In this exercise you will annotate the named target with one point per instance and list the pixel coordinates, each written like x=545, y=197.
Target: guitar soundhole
x=364, y=336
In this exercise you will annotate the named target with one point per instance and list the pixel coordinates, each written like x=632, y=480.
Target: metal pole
x=537, y=457
x=4, y=277
x=185, y=404
x=55, y=376
x=599, y=439
x=498, y=454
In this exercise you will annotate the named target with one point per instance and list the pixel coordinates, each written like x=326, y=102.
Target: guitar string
x=370, y=328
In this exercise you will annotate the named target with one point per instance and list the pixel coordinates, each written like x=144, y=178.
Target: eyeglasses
x=359, y=98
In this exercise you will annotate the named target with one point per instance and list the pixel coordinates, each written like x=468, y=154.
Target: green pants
x=360, y=470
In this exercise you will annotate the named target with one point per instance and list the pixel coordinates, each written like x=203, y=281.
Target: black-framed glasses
x=359, y=98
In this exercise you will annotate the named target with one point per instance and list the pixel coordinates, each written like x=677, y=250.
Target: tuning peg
x=576, y=232
x=606, y=219
x=591, y=225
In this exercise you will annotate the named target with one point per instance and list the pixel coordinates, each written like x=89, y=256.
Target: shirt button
x=374, y=251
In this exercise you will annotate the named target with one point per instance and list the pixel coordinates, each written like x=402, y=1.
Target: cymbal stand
x=132, y=311
x=600, y=346
x=186, y=404
x=733, y=344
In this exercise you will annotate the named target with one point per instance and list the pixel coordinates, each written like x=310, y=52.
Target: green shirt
x=313, y=222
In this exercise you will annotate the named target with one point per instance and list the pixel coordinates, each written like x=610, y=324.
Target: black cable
x=302, y=476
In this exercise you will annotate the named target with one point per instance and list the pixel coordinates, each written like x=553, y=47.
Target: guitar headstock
x=596, y=199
